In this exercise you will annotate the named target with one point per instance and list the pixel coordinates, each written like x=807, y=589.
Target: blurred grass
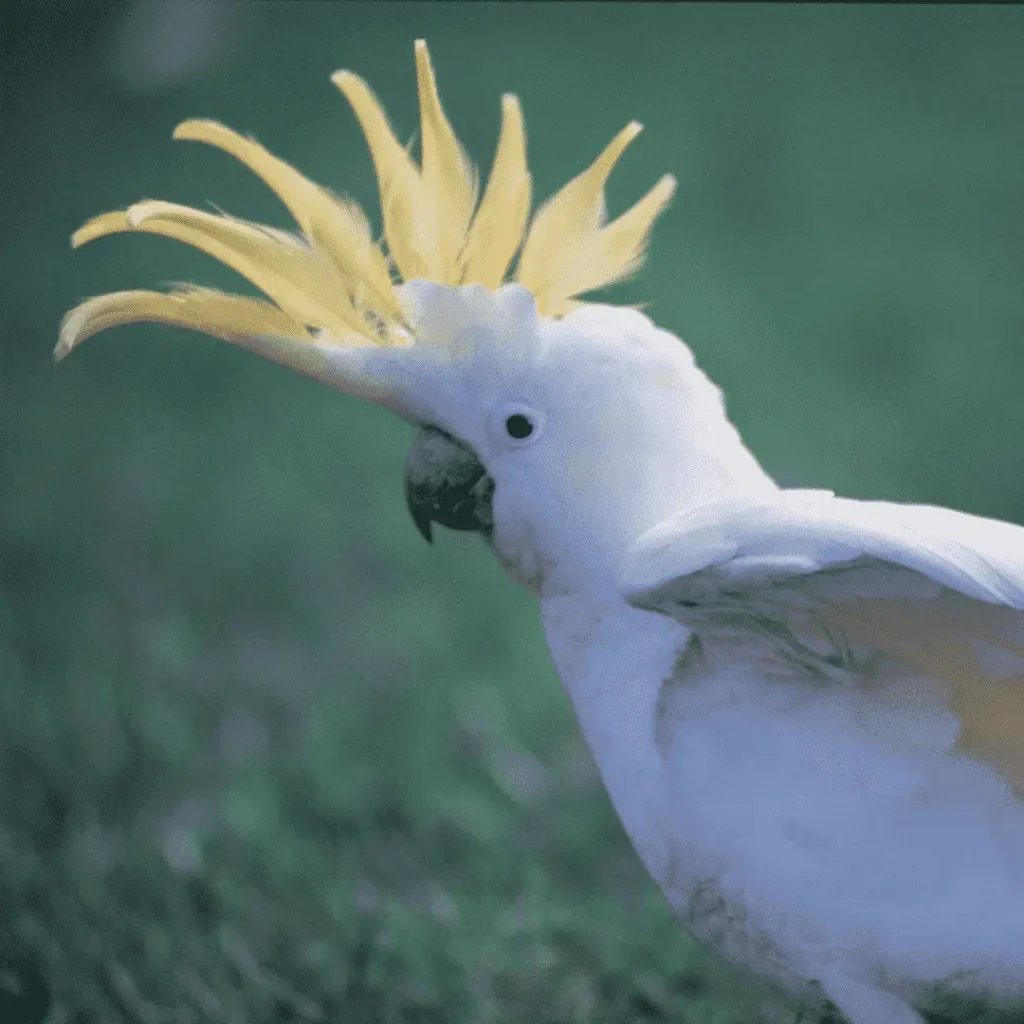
x=265, y=756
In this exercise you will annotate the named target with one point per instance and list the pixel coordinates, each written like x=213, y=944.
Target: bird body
x=799, y=793
x=808, y=711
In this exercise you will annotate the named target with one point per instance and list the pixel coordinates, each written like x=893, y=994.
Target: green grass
x=264, y=755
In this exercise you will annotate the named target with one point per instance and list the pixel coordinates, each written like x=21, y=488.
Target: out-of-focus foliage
x=264, y=756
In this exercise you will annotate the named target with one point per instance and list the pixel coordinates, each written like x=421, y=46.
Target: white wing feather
x=939, y=590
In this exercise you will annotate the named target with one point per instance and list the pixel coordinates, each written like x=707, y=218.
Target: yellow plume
x=335, y=279
x=568, y=249
x=229, y=317
x=301, y=284
x=408, y=227
x=336, y=229
x=448, y=178
x=497, y=229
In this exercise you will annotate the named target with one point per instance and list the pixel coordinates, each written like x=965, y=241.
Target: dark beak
x=445, y=483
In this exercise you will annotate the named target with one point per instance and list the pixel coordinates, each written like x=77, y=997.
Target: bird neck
x=683, y=465
x=612, y=660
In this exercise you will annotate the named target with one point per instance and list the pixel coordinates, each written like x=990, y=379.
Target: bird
x=807, y=710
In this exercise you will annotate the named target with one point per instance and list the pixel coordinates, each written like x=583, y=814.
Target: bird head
x=558, y=429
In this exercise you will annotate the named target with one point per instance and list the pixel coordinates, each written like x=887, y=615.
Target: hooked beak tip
x=419, y=513
x=423, y=525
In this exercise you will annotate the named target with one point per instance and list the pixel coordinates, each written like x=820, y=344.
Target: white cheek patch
x=515, y=546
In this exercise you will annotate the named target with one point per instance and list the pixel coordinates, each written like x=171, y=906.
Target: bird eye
x=518, y=426
x=515, y=425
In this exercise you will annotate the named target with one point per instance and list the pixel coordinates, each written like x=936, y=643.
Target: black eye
x=518, y=426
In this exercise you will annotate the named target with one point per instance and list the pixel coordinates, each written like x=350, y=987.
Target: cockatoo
x=808, y=711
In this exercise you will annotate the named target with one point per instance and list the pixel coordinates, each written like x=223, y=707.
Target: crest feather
x=336, y=228
x=558, y=248
x=617, y=250
x=304, y=287
x=234, y=318
x=497, y=230
x=407, y=223
x=336, y=279
x=449, y=179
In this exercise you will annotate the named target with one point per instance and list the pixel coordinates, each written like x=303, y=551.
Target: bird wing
x=938, y=590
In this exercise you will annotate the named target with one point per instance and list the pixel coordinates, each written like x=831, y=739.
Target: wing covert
x=940, y=591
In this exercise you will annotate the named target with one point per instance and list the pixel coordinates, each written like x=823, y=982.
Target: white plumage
x=846, y=736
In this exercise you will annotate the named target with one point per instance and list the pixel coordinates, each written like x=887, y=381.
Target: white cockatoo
x=808, y=711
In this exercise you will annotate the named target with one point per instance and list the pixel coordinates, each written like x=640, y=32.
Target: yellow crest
x=332, y=277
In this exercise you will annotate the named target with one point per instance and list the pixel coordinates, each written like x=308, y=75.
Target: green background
x=264, y=755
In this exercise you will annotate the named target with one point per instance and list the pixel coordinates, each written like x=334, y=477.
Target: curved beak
x=446, y=483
